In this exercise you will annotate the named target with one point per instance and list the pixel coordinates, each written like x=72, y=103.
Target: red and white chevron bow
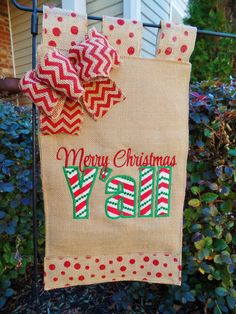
x=62, y=86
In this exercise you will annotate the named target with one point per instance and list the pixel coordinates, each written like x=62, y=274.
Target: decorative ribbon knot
x=61, y=87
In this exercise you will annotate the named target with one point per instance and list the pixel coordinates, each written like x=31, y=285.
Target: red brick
x=5, y=42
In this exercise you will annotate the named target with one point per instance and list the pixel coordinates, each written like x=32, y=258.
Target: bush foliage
x=209, y=243
x=213, y=57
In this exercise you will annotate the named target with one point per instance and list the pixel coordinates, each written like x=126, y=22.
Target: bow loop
x=56, y=71
x=60, y=83
x=94, y=58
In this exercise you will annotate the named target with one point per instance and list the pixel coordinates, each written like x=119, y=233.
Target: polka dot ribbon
x=124, y=35
x=62, y=29
x=62, y=86
x=175, y=42
x=159, y=267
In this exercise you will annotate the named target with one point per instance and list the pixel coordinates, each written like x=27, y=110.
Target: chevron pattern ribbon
x=62, y=87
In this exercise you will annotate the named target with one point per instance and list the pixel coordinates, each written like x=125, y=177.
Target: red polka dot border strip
x=152, y=267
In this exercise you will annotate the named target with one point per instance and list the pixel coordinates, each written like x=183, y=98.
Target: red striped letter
x=122, y=203
x=80, y=189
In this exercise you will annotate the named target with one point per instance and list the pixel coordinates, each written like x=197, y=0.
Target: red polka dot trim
x=141, y=266
x=119, y=258
x=52, y=266
x=67, y=264
x=155, y=262
x=77, y=266
x=146, y=259
x=102, y=266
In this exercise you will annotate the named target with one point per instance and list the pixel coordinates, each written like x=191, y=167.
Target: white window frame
x=132, y=9
x=75, y=5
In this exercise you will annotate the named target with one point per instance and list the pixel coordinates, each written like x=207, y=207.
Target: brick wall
x=6, y=66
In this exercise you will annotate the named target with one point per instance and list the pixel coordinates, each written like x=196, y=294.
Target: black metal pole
x=34, y=32
x=99, y=18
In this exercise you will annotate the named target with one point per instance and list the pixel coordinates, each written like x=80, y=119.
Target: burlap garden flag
x=113, y=148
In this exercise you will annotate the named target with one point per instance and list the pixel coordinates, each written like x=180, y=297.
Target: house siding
x=104, y=7
x=179, y=10
x=22, y=42
x=152, y=11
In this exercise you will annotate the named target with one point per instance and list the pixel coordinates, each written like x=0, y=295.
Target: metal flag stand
x=34, y=32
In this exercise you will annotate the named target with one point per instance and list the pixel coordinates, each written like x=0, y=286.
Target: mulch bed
x=90, y=299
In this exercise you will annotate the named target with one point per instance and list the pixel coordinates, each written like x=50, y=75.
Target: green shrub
x=213, y=57
x=209, y=243
x=16, y=248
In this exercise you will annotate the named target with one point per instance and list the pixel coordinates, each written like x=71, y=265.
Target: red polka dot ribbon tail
x=124, y=35
x=175, y=42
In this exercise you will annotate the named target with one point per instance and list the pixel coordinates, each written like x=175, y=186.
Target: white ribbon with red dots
x=124, y=35
x=175, y=42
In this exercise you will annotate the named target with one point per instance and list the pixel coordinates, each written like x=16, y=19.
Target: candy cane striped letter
x=146, y=189
x=122, y=203
x=163, y=191
x=80, y=187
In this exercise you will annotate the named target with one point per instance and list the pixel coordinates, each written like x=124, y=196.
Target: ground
x=90, y=299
